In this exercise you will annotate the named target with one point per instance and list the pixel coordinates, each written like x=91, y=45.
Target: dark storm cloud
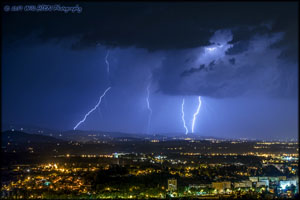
x=259, y=70
x=238, y=47
x=52, y=76
x=192, y=70
x=211, y=64
x=197, y=41
x=154, y=26
x=232, y=61
x=289, y=43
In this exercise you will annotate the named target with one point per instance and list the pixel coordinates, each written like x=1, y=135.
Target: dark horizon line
x=178, y=135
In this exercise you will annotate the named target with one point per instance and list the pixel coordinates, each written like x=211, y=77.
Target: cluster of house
x=279, y=184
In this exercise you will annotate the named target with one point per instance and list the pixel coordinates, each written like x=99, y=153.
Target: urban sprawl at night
x=104, y=166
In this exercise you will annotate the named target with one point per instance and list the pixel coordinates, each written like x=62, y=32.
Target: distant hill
x=85, y=136
x=28, y=129
x=92, y=135
x=21, y=138
x=89, y=136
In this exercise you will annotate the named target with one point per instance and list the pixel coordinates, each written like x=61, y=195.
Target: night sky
x=241, y=58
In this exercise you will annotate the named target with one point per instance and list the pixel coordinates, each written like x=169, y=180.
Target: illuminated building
x=285, y=184
x=172, y=184
x=262, y=183
x=243, y=184
x=221, y=186
x=253, y=179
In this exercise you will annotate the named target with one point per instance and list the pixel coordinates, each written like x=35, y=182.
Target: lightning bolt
x=107, y=63
x=100, y=99
x=148, y=106
x=196, y=113
x=182, y=117
x=99, y=102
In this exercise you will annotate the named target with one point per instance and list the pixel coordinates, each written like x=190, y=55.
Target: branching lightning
x=196, y=113
x=100, y=99
x=148, y=106
x=99, y=102
x=182, y=117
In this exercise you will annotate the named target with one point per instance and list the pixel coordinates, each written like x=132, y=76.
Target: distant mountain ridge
x=85, y=136
x=89, y=136
x=19, y=137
